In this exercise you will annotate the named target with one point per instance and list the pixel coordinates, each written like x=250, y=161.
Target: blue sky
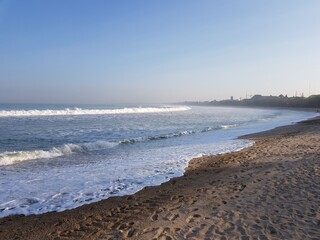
x=156, y=51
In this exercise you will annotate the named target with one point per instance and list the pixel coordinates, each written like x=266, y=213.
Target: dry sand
x=268, y=191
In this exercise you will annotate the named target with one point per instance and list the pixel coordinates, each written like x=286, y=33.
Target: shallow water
x=54, y=158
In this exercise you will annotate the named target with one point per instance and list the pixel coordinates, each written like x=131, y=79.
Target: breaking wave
x=79, y=111
x=8, y=158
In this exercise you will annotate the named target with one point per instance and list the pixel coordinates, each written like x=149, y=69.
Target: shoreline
x=203, y=203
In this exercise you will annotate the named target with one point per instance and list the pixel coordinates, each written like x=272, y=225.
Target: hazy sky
x=157, y=51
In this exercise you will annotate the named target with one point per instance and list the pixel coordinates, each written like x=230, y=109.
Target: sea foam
x=80, y=111
x=128, y=152
x=8, y=158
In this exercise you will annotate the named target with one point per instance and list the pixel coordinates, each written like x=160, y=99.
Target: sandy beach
x=268, y=191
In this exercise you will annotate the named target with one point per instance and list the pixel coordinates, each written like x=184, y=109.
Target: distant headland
x=312, y=101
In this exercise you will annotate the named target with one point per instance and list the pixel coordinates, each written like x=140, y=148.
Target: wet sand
x=268, y=191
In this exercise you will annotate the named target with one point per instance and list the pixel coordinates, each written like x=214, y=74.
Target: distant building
x=231, y=98
x=259, y=97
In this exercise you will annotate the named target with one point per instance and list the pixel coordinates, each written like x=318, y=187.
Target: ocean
x=58, y=157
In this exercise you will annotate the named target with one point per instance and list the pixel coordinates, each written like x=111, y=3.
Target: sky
x=123, y=51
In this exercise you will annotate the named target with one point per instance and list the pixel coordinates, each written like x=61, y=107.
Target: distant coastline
x=282, y=101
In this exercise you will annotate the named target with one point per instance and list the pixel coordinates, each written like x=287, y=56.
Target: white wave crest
x=79, y=111
x=8, y=158
x=228, y=126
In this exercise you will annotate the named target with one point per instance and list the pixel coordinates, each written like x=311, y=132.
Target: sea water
x=54, y=158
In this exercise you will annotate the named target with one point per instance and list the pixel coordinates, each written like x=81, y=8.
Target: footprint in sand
x=129, y=233
x=192, y=218
x=173, y=217
x=154, y=217
x=163, y=233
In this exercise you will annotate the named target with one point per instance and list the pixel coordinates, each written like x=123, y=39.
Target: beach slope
x=268, y=191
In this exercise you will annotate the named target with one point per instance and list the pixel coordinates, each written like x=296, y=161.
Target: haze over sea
x=57, y=157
